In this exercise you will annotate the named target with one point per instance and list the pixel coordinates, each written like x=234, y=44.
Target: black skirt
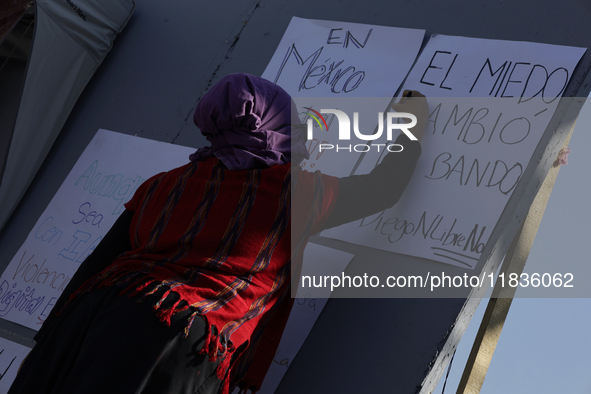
x=106, y=343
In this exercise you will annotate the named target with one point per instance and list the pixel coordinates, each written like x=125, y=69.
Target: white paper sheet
x=318, y=260
x=85, y=207
x=321, y=59
x=477, y=144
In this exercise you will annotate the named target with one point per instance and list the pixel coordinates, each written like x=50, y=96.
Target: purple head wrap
x=248, y=121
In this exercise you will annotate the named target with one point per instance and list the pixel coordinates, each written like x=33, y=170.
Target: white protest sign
x=318, y=261
x=319, y=58
x=11, y=356
x=85, y=207
x=490, y=102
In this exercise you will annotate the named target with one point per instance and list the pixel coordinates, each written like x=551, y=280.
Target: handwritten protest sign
x=319, y=58
x=87, y=204
x=490, y=102
x=11, y=356
x=318, y=261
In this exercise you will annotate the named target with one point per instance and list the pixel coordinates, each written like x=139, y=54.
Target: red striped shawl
x=221, y=239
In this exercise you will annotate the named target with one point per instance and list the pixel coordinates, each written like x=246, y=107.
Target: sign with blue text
x=85, y=207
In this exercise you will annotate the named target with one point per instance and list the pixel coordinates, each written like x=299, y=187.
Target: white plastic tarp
x=71, y=39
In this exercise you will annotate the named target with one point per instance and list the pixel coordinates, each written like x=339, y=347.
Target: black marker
x=408, y=94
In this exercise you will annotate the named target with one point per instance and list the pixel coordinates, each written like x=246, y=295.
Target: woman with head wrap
x=189, y=291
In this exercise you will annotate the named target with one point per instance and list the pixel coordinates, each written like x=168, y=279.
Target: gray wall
x=171, y=52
